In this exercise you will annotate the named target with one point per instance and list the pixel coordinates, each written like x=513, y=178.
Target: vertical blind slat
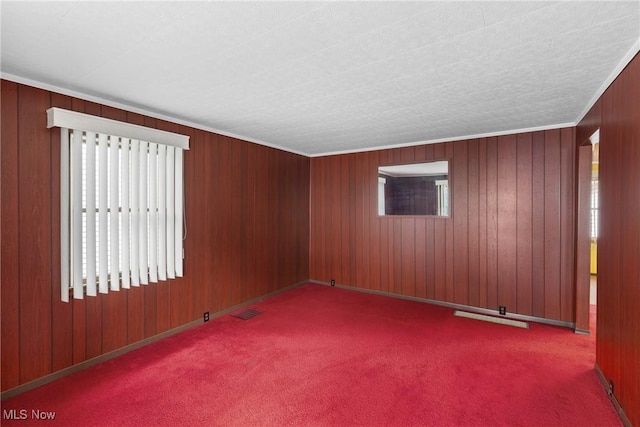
x=177, y=206
x=144, y=276
x=124, y=232
x=76, y=215
x=103, y=218
x=162, y=213
x=153, y=213
x=90, y=192
x=114, y=210
x=135, y=213
x=170, y=188
x=64, y=215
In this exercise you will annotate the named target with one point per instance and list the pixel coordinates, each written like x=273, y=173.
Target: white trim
x=635, y=48
x=451, y=139
x=58, y=117
x=111, y=103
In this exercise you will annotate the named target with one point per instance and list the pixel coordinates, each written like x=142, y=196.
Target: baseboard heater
x=492, y=319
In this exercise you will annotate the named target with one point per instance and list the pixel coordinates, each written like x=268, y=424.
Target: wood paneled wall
x=247, y=211
x=509, y=241
x=617, y=114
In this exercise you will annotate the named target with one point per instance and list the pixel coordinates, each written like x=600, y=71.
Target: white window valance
x=58, y=117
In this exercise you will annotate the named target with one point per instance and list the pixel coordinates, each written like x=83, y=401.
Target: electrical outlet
x=333, y=282
x=206, y=316
x=502, y=310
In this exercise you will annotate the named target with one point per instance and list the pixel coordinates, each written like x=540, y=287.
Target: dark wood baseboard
x=612, y=396
x=468, y=308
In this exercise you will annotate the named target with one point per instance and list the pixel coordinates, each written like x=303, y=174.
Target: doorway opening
x=594, y=217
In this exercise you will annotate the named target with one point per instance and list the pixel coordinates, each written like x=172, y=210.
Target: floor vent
x=500, y=320
x=247, y=314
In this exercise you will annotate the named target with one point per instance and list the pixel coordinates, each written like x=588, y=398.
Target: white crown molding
x=623, y=63
x=455, y=138
x=132, y=109
x=635, y=48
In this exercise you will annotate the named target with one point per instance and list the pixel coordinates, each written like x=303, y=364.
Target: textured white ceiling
x=325, y=77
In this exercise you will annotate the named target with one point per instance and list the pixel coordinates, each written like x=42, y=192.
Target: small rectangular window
x=414, y=189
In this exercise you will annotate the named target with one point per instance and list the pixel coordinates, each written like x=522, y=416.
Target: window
x=442, y=190
x=414, y=189
x=381, y=183
x=122, y=208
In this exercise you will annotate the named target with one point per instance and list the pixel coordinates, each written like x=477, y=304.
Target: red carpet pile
x=322, y=356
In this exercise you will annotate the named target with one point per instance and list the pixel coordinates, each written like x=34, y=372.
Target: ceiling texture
x=328, y=77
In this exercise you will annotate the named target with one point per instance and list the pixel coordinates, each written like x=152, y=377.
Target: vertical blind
x=122, y=204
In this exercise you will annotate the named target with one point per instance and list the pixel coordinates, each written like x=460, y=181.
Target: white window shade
x=122, y=203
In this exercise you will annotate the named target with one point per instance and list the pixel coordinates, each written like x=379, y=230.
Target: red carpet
x=322, y=356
